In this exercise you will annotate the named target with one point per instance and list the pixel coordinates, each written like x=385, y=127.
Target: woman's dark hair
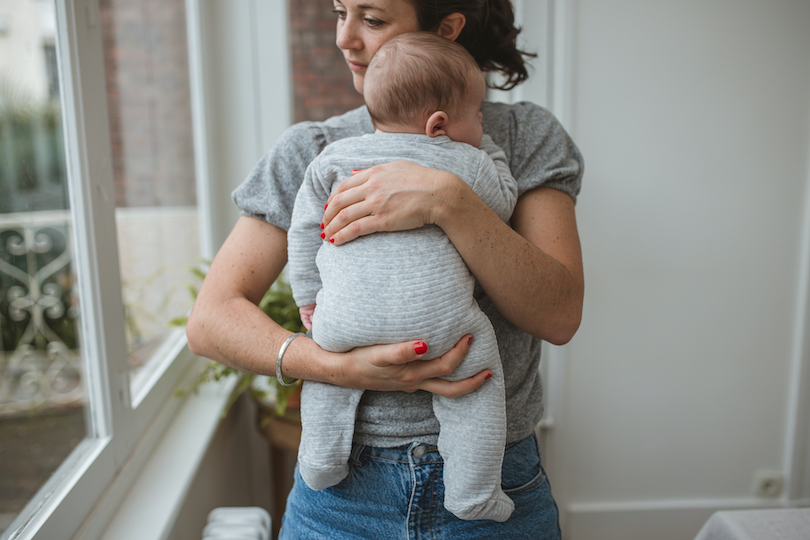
x=489, y=34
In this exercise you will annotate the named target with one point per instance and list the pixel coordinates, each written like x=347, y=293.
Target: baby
x=424, y=95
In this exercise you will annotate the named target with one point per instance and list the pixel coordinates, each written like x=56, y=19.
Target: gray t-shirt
x=540, y=153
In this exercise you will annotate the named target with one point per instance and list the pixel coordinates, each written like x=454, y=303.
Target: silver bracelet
x=281, y=355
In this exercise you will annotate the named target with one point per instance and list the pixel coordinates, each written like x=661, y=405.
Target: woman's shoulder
x=515, y=118
x=303, y=142
x=539, y=150
x=521, y=127
x=322, y=133
x=269, y=190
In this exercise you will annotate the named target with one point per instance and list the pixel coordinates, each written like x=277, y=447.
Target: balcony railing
x=40, y=366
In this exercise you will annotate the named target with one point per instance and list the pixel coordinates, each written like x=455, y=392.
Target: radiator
x=238, y=523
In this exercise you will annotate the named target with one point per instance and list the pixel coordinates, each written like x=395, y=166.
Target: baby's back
x=393, y=287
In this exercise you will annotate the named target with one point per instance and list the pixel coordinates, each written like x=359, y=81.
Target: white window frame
x=118, y=426
x=108, y=482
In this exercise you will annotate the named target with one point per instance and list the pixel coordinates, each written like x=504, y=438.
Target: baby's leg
x=327, y=421
x=473, y=435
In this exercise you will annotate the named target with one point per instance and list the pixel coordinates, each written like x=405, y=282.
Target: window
x=98, y=231
x=152, y=144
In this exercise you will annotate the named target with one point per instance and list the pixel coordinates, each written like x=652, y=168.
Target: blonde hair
x=415, y=74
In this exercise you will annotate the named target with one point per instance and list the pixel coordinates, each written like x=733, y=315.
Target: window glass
x=148, y=95
x=42, y=396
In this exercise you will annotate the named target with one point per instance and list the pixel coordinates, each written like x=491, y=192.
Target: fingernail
x=469, y=340
x=488, y=377
x=355, y=170
x=324, y=206
x=321, y=226
x=323, y=236
x=332, y=239
x=420, y=347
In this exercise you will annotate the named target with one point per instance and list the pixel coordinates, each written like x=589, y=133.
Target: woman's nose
x=347, y=37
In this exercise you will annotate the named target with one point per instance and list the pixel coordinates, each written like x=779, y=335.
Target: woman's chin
x=357, y=79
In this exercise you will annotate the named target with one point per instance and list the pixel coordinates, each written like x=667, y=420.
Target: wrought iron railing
x=40, y=364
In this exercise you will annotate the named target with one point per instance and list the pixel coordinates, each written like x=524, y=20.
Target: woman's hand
x=396, y=196
x=396, y=367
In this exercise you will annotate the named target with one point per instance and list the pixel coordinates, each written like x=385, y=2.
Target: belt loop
x=357, y=450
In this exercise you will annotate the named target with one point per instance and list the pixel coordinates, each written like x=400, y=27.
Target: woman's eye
x=373, y=22
x=340, y=13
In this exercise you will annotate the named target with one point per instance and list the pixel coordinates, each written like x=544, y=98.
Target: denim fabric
x=398, y=493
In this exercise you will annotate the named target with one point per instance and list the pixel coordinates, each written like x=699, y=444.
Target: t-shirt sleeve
x=268, y=193
x=540, y=151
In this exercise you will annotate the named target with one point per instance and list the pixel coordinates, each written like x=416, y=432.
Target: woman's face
x=364, y=25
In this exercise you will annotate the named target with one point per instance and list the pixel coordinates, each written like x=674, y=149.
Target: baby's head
x=420, y=82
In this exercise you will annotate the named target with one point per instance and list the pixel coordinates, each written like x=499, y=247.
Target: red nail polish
x=488, y=377
x=324, y=206
x=469, y=340
x=321, y=226
x=332, y=239
x=323, y=235
x=420, y=347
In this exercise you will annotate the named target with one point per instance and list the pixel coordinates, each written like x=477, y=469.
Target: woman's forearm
x=236, y=333
x=532, y=273
x=226, y=325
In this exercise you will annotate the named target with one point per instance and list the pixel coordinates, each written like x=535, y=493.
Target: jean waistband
x=416, y=451
x=420, y=451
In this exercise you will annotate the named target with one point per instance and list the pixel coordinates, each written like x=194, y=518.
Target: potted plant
x=272, y=397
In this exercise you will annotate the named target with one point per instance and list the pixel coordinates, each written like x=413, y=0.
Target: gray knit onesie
x=392, y=287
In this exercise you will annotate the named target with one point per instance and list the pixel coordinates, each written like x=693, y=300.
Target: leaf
x=178, y=321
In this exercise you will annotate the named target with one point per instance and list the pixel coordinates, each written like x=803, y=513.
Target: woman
x=530, y=274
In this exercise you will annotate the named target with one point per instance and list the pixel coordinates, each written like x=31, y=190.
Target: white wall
x=694, y=121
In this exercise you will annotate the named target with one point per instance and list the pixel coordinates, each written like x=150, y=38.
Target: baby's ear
x=435, y=124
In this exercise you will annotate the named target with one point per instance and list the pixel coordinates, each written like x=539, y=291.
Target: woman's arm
x=227, y=326
x=532, y=273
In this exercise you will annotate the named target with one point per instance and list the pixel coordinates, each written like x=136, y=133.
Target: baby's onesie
x=392, y=287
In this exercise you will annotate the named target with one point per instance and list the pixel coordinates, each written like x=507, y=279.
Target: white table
x=774, y=524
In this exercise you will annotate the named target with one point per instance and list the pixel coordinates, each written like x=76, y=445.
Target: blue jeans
x=397, y=493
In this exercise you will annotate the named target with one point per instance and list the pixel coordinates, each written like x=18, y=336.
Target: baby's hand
x=306, y=315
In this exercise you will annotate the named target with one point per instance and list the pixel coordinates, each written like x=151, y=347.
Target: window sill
x=146, y=496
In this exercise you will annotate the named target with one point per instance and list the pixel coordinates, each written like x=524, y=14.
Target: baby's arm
x=303, y=237
x=495, y=184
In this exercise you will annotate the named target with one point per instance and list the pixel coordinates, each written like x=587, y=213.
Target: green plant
x=279, y=305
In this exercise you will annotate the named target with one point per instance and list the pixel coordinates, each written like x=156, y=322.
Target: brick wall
x=322, y=81
x=149, y=98
x=146, y=61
